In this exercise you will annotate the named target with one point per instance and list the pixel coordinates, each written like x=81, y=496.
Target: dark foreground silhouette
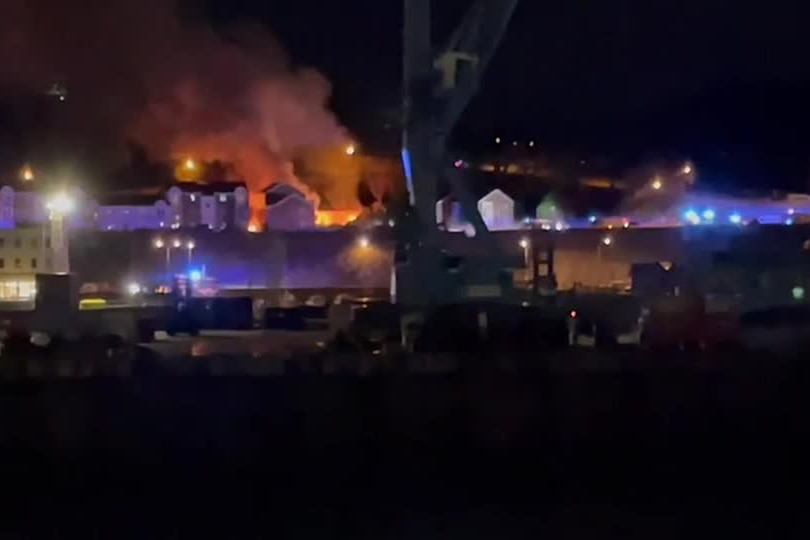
x=480, y=453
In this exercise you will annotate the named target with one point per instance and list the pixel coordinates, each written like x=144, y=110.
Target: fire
x=335, y=218
x=258, y=211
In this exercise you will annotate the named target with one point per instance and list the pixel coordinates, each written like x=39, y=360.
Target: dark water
x=480, y=454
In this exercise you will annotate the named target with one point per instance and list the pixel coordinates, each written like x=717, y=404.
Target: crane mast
x=438, y=85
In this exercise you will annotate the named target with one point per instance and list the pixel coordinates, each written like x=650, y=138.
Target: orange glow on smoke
x=335, y=218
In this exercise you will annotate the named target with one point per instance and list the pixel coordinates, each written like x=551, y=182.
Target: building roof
x=127, y=199
x=209, y=188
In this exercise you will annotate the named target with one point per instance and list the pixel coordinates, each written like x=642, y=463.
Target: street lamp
x=350, y=150
x=59, y=205
x=606, y=241
x=525, y=244
x=190, y=246
x=161, y=244
x=657, y=184
x=363, y=241
x=189, y=164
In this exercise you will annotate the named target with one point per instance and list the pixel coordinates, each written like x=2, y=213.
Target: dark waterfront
x=482, y=452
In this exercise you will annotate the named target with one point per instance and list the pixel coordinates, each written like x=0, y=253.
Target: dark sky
x=727, y=83
x=565, y=67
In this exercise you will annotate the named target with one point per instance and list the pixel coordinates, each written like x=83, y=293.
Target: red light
x=573, y=314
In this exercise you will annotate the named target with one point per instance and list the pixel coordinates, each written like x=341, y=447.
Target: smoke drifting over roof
x=141, y=70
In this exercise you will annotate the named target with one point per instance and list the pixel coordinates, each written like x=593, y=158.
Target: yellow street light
x=524, y=243
x=177, y=243
x=189, y=164
x=351, y=150
x=27, y=173
x=159, y=243
x=657, y=184
x=363, y=241
x=687, y=169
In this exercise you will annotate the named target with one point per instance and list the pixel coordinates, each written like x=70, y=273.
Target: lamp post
x=59, y=206
x=160, y=244
x=190, y=247
x=525, y=244
x=605, y=242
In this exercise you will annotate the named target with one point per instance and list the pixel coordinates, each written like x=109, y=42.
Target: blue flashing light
x=789, y=221
x=708, y=214
x=195, y=275
x=592, y=219
x=408, y=170
x=735, y=218
x=692, y=217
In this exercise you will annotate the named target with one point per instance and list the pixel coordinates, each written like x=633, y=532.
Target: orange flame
x=335, y=218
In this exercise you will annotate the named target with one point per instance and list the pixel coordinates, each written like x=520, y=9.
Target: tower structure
x=438, y=85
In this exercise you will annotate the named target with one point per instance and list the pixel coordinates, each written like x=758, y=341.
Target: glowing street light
x=133, y=289
x=363, y=241
x=159, y=243
x=607, y=240
x=497, y=140
x=60, y=204
x=27, y=173
x=190, y=247
x=350, y=150
x=189, y=164
x=524, y=243
x=177, y=243
x=686, y=169
x=657, y=184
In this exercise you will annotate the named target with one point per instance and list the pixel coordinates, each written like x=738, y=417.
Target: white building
x=130, y=213
x=288, y=208
x=497, y=210
x=217, y=206
x=25, y=252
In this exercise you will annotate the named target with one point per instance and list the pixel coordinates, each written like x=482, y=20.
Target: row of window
x=18, y=263
x=34, y=242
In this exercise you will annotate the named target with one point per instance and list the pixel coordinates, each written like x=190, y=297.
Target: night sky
x=726, y=83
x=713, y=78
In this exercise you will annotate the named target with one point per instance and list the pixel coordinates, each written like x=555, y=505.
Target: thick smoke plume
x=143, y=71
